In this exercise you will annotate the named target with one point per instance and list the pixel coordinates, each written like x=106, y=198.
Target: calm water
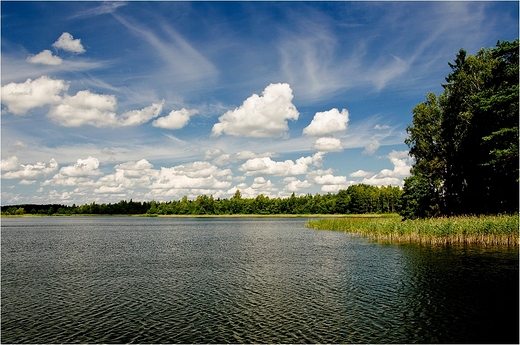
x=166, y=280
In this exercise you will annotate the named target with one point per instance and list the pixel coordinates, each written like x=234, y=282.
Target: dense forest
x=465, y=140
x=356, y=199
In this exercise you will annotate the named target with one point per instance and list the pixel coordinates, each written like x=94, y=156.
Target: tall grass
x=486, y=230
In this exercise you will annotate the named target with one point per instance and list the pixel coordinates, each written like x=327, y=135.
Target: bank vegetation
x=459, y=230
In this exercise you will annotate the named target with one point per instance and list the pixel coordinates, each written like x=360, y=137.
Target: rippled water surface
x=229, y=280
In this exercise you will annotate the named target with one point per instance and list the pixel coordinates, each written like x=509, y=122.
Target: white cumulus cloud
x=110, y=190
x=213, y=153
x=402, y=163
x=21, y=97
x=265, y=165
x=14, y=170
x=259, y=186
x=196, y=175
x=68, y=43
x=362, y=173
x=295, y=185
x=242, y=155
x=330, y=179
x=334, y=188
x=45, y=58
x=331, y=183
x=10, y=164
x=371, y=147
x=175, y=181
x=87, y=108
x=54, y=196
x=225, y=158
x=327, y=144
x=327, y=122
x=143, y=164
x=402, y=166
x=176, y=119
x=138, y=117
x=260, y=116
x=134, y=169
x=196, y=169
x=127, y=175
x=82, y=168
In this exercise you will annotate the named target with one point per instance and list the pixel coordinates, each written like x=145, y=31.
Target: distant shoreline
x=212, y=215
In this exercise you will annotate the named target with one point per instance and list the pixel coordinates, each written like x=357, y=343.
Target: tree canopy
x=465, y=140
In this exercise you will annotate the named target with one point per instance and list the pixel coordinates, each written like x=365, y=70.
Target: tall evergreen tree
x=496, y=112
x=465, y=142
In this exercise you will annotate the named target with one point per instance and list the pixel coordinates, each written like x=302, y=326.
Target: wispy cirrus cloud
x=15, y=69
x=181, y=62
x=106, y=7
x=308, y=58
x=318, y=60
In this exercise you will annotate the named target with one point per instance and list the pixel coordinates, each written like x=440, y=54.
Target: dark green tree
x=236, y=203
x=363, y=198
x=342, y=202
x=419, y=200
x=465, y=141
x=185, y=206
x=428, y=148
x=498, y=101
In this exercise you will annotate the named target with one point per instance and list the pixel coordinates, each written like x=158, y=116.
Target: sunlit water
x=228, y=280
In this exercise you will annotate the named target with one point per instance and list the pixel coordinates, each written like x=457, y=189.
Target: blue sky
x=104, y=101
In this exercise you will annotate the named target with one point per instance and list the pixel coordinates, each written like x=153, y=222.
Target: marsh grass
x=486, y=230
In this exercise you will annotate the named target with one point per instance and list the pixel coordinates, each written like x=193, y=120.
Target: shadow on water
x=462, y=294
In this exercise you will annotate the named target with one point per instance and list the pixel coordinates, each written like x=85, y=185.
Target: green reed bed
x=486, y=230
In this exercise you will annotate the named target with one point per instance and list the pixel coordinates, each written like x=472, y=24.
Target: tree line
x=356, y=199
x=465, y=140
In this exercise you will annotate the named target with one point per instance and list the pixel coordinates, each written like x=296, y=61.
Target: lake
x=245, y=280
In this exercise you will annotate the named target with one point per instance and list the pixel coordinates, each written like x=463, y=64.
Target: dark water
x=165, y=280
